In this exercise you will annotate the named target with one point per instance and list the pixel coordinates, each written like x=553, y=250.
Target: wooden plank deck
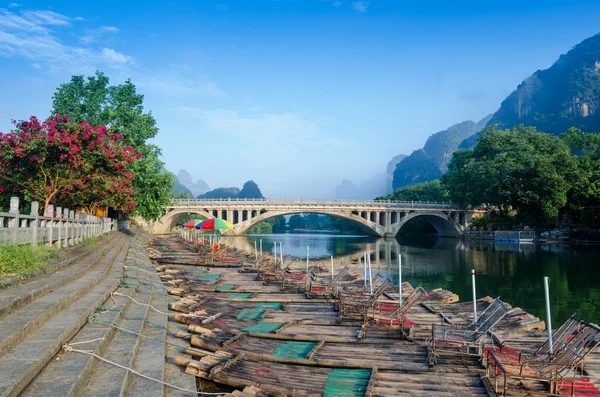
x=244, y=331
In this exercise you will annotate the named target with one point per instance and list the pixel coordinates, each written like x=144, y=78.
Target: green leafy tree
x=584, y=199
x=261, y=228
x=518, y=168
x=120, y=109
x=426, y=191
x=295, y=221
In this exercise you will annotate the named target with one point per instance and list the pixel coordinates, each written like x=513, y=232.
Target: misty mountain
x=431, y=162
x=346, y=189
x=391, y=166
x=179, y=188
x=184, y=178
x=200, y=187
x=373, y=186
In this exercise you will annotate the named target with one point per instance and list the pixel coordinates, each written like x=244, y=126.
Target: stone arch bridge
x=377, y=217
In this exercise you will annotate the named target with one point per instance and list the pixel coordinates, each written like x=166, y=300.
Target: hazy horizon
x=295, y=95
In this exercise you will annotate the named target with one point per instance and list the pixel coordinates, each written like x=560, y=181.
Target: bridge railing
x=313, y=202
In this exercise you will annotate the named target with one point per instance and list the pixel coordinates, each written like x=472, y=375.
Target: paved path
x=100, y=304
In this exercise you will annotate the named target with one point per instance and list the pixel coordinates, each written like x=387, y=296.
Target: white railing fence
x=60, y=227
x=515, y=235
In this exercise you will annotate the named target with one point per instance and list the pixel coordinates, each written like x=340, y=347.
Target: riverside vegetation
x=525, y=175
x=91, y=153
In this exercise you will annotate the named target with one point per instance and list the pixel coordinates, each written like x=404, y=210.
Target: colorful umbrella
x=214, y=224
x=192, y=223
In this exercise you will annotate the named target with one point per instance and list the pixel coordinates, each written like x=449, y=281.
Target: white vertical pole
x=255, y=251
x=307, y=251
x=275, y=251
x=474, y=296
x=365, y=265
x=400, y=279
x=332, y=267
x=261, y=247
x=281, y=252
x=370, y=274
x=548, y=315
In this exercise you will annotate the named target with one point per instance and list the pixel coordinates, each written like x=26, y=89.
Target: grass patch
x=24, y=259
x=90, y=240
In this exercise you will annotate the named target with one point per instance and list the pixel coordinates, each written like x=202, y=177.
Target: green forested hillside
x=221, y=193
x=565, y=95
x=250, y=190
x=432, y=161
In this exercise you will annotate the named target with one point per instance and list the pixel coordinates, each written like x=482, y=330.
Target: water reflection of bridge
x=383, y=254
x=422, y=259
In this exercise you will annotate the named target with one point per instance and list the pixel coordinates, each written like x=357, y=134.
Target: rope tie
x=141, y=304
x=69, y=349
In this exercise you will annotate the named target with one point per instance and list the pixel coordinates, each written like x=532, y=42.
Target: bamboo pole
x=400, y=279
x=548, y=314
x=370, y=273
x=332, y=267
x=307, y=251
x=474, y=296
x=365, y=263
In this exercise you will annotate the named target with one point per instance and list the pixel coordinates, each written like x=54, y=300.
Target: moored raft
x=243, y=331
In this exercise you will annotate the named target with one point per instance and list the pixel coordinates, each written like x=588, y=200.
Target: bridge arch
x=173, y=218
x=442, y=223
x=368, y=227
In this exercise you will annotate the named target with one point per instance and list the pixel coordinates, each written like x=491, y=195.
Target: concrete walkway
x=109, y=303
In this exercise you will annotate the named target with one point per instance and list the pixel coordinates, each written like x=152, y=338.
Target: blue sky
x=298, y=95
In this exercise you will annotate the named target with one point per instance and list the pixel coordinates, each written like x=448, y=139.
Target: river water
x=509, y=270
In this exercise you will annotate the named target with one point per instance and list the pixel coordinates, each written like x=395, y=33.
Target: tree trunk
x=46, y=203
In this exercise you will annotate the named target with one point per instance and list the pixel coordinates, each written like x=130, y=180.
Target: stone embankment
x=85, y=328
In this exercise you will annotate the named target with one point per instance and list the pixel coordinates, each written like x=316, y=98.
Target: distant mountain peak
x=185, y=178
x=200, y=187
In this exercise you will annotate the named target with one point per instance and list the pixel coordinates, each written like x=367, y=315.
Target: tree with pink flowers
x=74, y=164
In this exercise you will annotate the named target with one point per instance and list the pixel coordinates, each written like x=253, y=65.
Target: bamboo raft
x=254, y=335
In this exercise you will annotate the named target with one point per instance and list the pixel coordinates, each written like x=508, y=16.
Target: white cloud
x=50, y=18
x=93, y=35
x=15, y=5
x=30, y=34
x=275, y=138
x=335, y=3
x=183, y=82
x=111, y=29
x=114, y=56
x=360, y=6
